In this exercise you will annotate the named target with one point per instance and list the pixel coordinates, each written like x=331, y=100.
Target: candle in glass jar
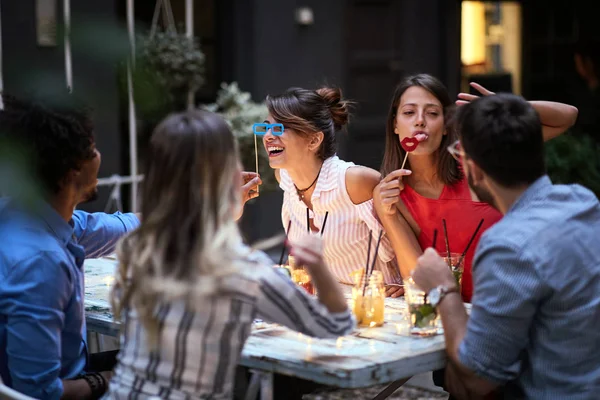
x=368, y=302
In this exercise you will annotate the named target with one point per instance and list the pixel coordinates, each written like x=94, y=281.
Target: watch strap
x=444, y=290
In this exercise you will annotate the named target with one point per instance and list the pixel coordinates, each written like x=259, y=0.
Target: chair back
x=7, y=393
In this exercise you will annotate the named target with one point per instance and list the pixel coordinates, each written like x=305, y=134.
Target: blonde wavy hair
x=188, y=239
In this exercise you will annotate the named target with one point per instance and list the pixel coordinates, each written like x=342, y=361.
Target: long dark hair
x=447, y=167
x=188, y=238
x=310, y=111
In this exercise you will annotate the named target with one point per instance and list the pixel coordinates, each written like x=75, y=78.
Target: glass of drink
x=422, y=314
x=368, y=301
x=457, y=266
x=300, y=277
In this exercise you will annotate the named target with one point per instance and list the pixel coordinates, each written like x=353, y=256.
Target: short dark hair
x=447, y=167
x=56, y=135
x=310, y=111
x=502, y=134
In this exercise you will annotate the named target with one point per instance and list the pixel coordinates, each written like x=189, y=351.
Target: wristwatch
x=436, y=294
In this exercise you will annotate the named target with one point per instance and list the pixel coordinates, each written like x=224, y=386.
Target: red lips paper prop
x=409, y=144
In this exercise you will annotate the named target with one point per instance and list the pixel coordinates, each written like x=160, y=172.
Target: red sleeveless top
x=462, y=217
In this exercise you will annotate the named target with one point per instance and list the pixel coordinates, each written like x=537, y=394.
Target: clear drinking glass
x=422, y=314
x=457, y=266
x=300, y=277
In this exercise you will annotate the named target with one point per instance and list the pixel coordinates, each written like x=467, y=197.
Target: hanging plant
x=176, y=60
x=168, y=65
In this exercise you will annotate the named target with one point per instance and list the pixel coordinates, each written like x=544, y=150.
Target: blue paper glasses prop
x=262, y=128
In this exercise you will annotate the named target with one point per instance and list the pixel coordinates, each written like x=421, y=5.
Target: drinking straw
x=307, y=220
x=367, y=265
x=462, y=256
x=447, y=243
x=376, y=250
x=434, y=238
x=324, y=222
x=256, y=155
x=286, y=237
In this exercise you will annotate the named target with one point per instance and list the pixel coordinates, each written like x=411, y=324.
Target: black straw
x=284, y=245
x=462, y=256
x=447, y=243
x=375, y=255
x=307, y=220
x=367, y=265
x=434, y=238
x=324, y=222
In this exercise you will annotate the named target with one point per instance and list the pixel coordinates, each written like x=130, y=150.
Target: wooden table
x=367, y=357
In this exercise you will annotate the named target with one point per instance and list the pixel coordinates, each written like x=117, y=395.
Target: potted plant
x=262, y=217
x=173, y=63
x=168, y=65
x=240, y=112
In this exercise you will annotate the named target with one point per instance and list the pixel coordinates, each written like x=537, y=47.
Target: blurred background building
x=364, y=46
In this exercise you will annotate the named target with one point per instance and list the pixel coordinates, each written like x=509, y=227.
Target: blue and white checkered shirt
x=535, y=322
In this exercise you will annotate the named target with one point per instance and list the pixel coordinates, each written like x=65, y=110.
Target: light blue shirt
x=42, y=316
x=535, y=322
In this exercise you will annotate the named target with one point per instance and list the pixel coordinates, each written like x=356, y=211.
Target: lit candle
x=108, y=280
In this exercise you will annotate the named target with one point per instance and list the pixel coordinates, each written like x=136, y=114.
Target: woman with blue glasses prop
x=299, y=136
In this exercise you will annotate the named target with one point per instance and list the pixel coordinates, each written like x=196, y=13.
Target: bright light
x=472, y=33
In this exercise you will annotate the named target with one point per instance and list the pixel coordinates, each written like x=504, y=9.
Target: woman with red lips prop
x=412, y=203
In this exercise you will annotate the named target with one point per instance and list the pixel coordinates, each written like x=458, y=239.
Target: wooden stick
x=434, y=238
x=404, y=162
x=256, y=155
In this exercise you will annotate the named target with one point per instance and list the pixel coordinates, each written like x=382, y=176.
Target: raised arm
x=281, y=301
x=556, y=118
x=485, y=358
x=387, y=203
x=99, y=232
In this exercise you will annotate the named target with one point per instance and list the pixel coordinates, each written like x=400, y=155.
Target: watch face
x=434, y=296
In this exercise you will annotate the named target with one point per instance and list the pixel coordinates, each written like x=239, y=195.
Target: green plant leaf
x=240, y=112
x=574, y=159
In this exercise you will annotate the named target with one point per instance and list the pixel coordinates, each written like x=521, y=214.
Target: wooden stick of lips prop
x=409, y=144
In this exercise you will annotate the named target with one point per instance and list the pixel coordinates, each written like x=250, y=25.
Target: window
x=491, y=43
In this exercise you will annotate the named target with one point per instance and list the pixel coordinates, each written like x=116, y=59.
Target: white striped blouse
x=346, y=235
x=199, y=349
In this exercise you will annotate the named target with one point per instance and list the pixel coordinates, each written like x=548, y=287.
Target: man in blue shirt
x=43, y=243
x=534, y=327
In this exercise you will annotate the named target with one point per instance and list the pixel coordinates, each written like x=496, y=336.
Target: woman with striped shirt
x=188, y=288
x=317, y=182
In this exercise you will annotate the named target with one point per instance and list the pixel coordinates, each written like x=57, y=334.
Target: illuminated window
x=491, y=44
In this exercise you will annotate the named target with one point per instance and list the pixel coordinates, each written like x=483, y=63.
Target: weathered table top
x=367, y=357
